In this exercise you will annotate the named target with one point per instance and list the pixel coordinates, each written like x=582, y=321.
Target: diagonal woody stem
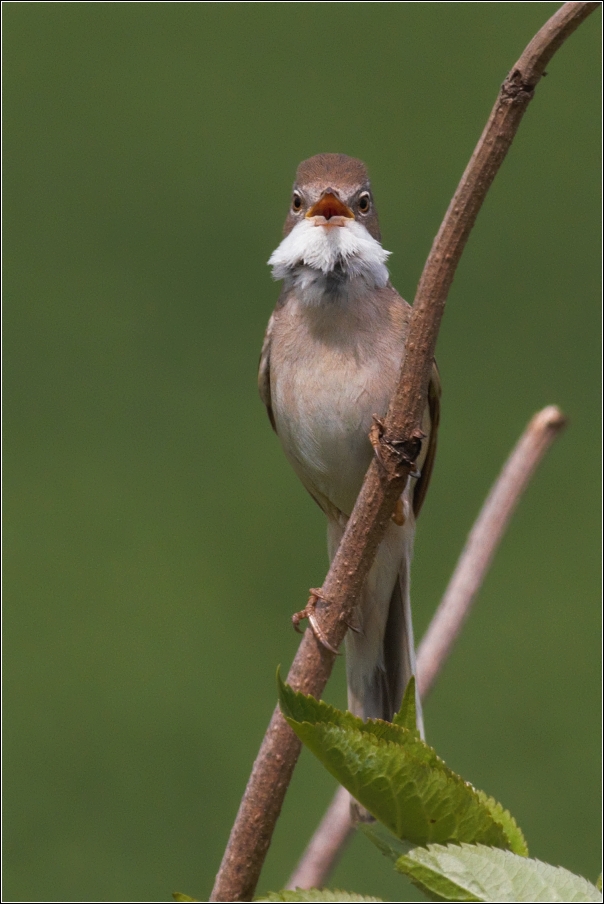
x=272, y=770
x=482, y=542
x=335, y=829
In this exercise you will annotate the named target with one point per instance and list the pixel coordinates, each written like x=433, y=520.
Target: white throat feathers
x=320, y=260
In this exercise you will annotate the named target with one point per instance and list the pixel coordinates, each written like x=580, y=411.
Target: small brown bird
x=330, y=362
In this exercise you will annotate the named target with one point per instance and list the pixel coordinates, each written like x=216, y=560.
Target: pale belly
x=323, y=404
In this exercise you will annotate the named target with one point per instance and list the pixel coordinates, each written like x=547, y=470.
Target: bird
x=329, y=364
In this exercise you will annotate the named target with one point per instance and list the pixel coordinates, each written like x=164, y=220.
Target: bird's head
x=331, y=233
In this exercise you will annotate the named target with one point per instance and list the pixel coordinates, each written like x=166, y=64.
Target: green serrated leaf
x=314, y=894
x=178, y=896
x=470, y=872
x=395, y=776
x=406, y=717
x=304, y=708
x=507, y=822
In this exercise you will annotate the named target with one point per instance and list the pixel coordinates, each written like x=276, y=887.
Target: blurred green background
x=156, y=541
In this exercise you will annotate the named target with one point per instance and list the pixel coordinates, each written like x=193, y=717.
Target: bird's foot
x=308, y=612
x=393, y=455
x=376, y=438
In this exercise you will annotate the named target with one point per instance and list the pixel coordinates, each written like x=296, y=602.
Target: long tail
x=380, y=651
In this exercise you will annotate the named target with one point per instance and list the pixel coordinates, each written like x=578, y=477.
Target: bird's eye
x=296, y=201
x=364, y=202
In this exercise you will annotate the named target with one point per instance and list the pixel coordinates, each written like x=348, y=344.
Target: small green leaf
x=599, y=882
x=178, y=896
x=406, y=717
x=315, y=894
x=477, y=873
x=397, y=777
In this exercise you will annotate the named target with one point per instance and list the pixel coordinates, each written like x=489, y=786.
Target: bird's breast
x=327, y=381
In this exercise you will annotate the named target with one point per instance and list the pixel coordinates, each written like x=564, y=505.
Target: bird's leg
x=308, y=612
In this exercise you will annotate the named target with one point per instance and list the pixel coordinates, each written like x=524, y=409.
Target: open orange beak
x=329, y=207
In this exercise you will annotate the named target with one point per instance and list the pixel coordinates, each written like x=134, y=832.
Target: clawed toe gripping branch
x=396, y=456
x=316, y=594
x=310, y=670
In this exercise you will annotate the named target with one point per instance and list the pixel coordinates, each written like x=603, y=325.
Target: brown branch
x=334, y=830
x=263, y=797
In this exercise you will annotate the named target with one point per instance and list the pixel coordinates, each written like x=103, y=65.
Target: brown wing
x=264, y=372
x=434, y=393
